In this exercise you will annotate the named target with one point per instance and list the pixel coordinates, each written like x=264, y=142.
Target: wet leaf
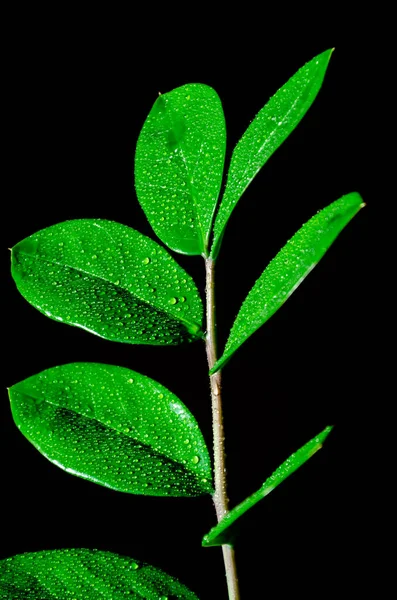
x=81, y=574
x=179, y=165
x=227, y=529
x=115, y=427
x=109, y=280
x=288, y=269
x=271, y=126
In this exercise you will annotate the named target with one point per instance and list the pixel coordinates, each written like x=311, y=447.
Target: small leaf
x=109, y=280
x=226, y=530
x=179, y=166
x=115, y=427
x=271, y=126
x=82, y=574
x=288, y=269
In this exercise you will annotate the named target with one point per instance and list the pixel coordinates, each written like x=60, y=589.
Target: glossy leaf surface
x=115, y=427
x=110, y=280
x=81, y=574
x=226, y=530
x=271, y=126
x=179, y=165
x=288, y=269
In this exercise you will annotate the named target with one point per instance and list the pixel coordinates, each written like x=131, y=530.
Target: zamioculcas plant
x=117, y=427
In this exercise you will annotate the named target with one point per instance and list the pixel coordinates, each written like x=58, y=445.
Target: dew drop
x=172, y=301
x=195, y=460
x=130, y=381
x=146, y=260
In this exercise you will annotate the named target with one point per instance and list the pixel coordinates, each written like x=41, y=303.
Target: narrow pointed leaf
x=288, y=269
x=109, y=280
x=114, y=427
x=82, y=574
x=271, y=126
x=226, y=530
x=179, y=165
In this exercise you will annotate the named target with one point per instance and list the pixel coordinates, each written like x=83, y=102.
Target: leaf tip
x=327, y=430
x=320, y=438
x=324, y=57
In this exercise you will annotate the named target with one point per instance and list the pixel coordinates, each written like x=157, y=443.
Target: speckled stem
x=220, y=496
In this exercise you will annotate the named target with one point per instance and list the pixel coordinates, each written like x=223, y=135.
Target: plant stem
x=220, y=496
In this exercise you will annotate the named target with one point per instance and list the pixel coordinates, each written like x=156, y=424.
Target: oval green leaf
x=179, y=166
x=271, y=126
x=110, y=280
x=288, y=269
x=82, y=574
x=114, y=427
x=226, y=530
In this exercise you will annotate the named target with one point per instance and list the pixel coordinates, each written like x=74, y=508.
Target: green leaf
x=226, y=530
x=115, y=427
x=82, y=574
x=271, y=126
x=288, y=269
x=179, y=166
x=109, y=280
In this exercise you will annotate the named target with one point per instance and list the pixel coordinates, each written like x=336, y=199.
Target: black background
x=79, y=91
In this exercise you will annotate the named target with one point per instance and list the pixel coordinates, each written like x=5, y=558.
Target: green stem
x=220, y=496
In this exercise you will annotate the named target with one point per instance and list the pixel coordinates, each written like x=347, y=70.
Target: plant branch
x=220, y=496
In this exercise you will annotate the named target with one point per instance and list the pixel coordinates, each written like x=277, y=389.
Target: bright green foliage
x=110, y=280
x=226, y=530
x=288, y=269
x=179, y=166
x=81, y=574
x=271, y=126
x=114, y=427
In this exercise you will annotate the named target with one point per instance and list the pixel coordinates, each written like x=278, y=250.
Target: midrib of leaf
x=93, y=577
x=80, y=578
x=107, y=281
x=143, y=445
x=237, y=183
x=191, y=187
x=267, y=141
